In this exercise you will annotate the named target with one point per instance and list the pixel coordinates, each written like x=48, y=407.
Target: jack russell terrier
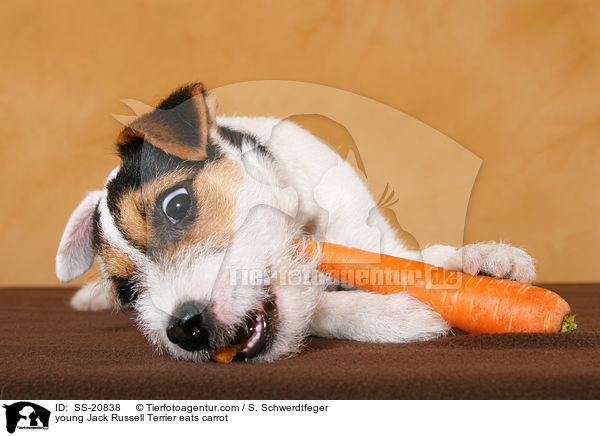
x=194, y=230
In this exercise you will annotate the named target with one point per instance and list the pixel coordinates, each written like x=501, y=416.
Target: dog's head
x=197, y=246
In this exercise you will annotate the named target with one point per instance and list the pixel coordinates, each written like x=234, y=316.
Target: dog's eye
x=176, y=204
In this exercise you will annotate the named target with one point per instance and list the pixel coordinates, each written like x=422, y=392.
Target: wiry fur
x=292, y=185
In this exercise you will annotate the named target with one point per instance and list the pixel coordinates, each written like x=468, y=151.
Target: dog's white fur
x=305, y=182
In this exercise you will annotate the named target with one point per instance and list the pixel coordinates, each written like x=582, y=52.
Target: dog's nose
x=188, y=328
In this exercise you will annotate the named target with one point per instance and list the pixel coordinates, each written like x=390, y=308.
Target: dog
x=194, y=231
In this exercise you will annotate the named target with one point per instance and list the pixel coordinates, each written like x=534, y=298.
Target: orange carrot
x=475, y=304
x=224, y=354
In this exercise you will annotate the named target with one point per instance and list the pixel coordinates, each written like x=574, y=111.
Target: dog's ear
x=77, y=248
x=182, y=125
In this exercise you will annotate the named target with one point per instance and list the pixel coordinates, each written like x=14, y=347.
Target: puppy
x=194, y=231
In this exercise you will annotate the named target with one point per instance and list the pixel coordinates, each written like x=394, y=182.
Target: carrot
x=475, y=304
x=224, y=354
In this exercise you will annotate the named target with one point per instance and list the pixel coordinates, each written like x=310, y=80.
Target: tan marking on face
x=138, y=205
x=215, y=191
x=116, y=262
x=215, y=188
x=132, y=218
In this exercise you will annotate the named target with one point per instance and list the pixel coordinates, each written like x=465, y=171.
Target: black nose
x=188, y=328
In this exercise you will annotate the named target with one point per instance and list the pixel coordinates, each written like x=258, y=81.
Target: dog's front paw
x=496, y=260
x=94, y=296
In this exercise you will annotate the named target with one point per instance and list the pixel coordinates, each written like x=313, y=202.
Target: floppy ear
x=181, y=125
x=77, y=249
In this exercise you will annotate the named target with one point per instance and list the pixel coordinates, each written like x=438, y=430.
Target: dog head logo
x=26, y=415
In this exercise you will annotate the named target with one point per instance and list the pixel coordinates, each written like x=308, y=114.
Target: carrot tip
x=224, y=354
x=568, y=324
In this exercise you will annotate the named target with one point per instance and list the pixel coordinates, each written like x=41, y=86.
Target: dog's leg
x=491, y=258
x=363, y=316
x=94, y=296
x=495, y=259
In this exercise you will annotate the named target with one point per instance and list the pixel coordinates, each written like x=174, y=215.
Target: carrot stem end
x=568, y=324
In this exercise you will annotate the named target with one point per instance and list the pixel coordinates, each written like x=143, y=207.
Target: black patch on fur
x=179, y=96
x=236, y=138
x=125, y=289
x=96, y=228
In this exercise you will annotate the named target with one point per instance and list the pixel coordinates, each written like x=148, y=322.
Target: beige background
x=515, y=82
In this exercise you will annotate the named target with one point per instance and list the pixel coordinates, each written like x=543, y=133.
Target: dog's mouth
x=258, y=332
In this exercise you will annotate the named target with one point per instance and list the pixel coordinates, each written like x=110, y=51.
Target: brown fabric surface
x=49, y=351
